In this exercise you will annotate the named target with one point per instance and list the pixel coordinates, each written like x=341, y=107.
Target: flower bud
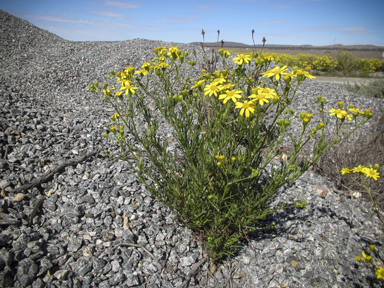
x=113, y=129
x=184, y=92
x=300, y=76
x=275, y=99
x=368, y=113
x=105, y=134
x=302, y=115
x=121, y=128
x=372, y=247
x=341, y=104
x=320, y=125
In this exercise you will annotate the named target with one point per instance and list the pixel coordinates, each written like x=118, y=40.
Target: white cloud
x=110, y=15
x=354, y=30
x=54, y=18
x=207, y=7
x=274, y=22
x=121, y=5
x=281, y=6
x=177, y=19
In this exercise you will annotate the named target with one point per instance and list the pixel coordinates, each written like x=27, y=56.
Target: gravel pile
x=94, y=225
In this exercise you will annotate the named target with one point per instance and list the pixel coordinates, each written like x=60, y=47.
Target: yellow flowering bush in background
x=325, y=62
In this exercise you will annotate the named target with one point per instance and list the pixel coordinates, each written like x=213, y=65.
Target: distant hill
x=282, y=46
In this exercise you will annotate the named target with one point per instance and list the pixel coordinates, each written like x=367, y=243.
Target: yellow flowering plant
x=216, y=185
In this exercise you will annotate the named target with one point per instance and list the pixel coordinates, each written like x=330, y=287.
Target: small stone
x=212, y=268
x=357, y=195
x=26, y=272
x=125, y=223
x=321, y=191
x=116, y=279
x=186, y=261
x=87, y=252
x=115, y=266
x=294, y=264
x=134, y=206
x=4, y=183
x=87, y=237
x=61, y=274
x=324, y=238
x=83, y=266
x=19, y=197
x=98, y=264
x=108, y=237
x=3, y=239
x=246, y=260
x=74, y=244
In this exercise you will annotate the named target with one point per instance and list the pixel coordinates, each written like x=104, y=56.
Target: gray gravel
x=48, y=116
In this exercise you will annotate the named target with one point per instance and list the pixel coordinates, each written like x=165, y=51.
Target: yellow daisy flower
x=198, y=84
x=242, y=58
x=164, y=65
x=230, y=95
x=345, y=171
x=380, y=273
x=261, y=98
x=247, y=106
x=277, y=71
x=267, y=91
x=127, y=87
x=358, y=169
x=341, y=114
x=212, y=89
x=370, y=173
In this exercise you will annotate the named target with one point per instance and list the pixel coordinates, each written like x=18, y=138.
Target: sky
x=284, y=22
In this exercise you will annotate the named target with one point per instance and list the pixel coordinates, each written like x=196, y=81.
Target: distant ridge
x=282, y=46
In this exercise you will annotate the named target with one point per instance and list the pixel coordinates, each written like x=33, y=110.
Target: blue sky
x=291, y=22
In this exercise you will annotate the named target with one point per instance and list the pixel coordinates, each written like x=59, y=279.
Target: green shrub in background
x=216, y=186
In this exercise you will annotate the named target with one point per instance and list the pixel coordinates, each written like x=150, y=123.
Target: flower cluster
x=218, y=85
x=366, y=171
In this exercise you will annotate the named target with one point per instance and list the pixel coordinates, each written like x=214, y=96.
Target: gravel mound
x=69, y=232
